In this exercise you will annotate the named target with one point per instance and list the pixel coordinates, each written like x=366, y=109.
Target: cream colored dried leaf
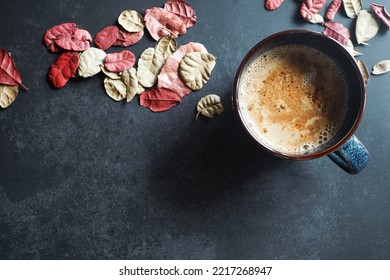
x=381, y=67
x=149, y=66
x=90, y=62
x=352, y=7
x=8, y=95
x=115, y=89
x=351, y=49
x=131, y=21
x=317, y=18
x=367, y=25
x=130, y=79
x=195, y=69
x=111, y=75
x=167, y=46
x=209, y=106
x=364, y=70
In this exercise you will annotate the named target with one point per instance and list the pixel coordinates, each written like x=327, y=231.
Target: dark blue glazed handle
x=352, y=156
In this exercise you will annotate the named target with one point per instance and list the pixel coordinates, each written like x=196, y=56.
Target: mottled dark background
x=84, y=177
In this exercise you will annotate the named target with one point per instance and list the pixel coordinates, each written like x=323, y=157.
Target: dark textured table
x=85, y=177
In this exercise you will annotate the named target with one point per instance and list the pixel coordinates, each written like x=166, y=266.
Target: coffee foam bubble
x=269, y=120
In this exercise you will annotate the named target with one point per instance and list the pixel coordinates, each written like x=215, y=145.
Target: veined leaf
x=364, y=70
x=115, y=89
x=8, y=95
x=381, y=13
x=149, y=66
x=131, y=21
x=159, y=99
x=209, y=106
x=90, y=61
x=167, y=46
x=381, y=67
x=352, y=7
x=183, y=10
x=367, y=25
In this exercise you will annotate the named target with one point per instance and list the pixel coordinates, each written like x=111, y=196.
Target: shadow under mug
x=344, y=148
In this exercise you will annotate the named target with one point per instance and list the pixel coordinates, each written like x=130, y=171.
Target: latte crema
x=293, y=98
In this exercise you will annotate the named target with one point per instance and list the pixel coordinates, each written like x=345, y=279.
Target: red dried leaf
x=105, y=38
x=272, y=4
x=161, y=23
x=63, y=69
x=118, y=62
x=183, y=10
x=77, y=41
x=9, y=74
x=52, y=34
x=169, y=74
x=337, y=31
x=381, y=13
x=310, y=8
x=333, y=7
x=159, y=99
x=126, y=39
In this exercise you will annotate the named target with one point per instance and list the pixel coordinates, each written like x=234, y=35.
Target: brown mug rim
x=315, y=154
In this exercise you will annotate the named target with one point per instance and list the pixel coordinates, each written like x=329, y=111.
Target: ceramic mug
x=300, y=95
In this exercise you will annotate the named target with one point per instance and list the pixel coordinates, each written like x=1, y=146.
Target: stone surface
x=84, y=177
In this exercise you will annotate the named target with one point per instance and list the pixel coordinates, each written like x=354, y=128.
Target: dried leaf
x=316, y=19
x=169, y=75
x=352, y=7
x=111, y=75
x=90, y=61
x=381, y=67
x=367, y=25
x=352, y=50
x=364, y=70
x=63, y=69
x=126, y=39
x=161, y=23
x=333, y=7
x=167, y=46
x=52, y=34
x=381, y=13
x=8, y=95
x=209, y=106
x=120, y=61
x=77, y=41
x=149, y=66
x=337, y=31
x=130, y=79
x=131, y=21
x=195, y=69
x=309, y=8
x=9, y=74
x=115, y=89
x=272, y=4
x=183, y=10
x=105, y=38
x=159, y=99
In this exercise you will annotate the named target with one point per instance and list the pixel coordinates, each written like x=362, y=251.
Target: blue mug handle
x=352, y=157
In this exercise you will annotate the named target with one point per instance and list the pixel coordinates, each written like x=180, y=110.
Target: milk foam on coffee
x=293, y=98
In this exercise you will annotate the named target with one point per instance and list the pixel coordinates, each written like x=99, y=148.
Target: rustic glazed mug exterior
x=343, y=147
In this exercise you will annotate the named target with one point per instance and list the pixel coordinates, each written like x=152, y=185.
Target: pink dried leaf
x=64, y=68
x=272, y=4
x=52, y=34
x=9, y=74
x=105, y=38
x=333, y=7
x=183, y=10
x=337, y=31
x=381, y=13
x=159, y=99
x=169, y=74
x=126, y=39
x=309, y=8
x=78, y=41
x=161, y=23
x=120, y=61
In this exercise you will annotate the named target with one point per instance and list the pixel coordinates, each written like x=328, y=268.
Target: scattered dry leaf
x=120, y=61
x=183, y=10
x=337, y=31
x=309, y=8
x=79, y=40
x=159, y=99
x=131, y=21
x=52, y=34
x=115, y=89
x=9, y=74
x=195, y=69
x=126, y=39
x=272, y=4
x=167, y=46
x=105, y=38
x=149, y=66
x=352, y=7
x=90, y=61
x=381, y=67
x=8, y=95
x=130, y=79
x=111, y=75
x=209, y=106
x=63, y=69
x=352, y=50
x=333, y=7
x=316, y=19
x=381, y=13
x=367, y=25
x=364, y=70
